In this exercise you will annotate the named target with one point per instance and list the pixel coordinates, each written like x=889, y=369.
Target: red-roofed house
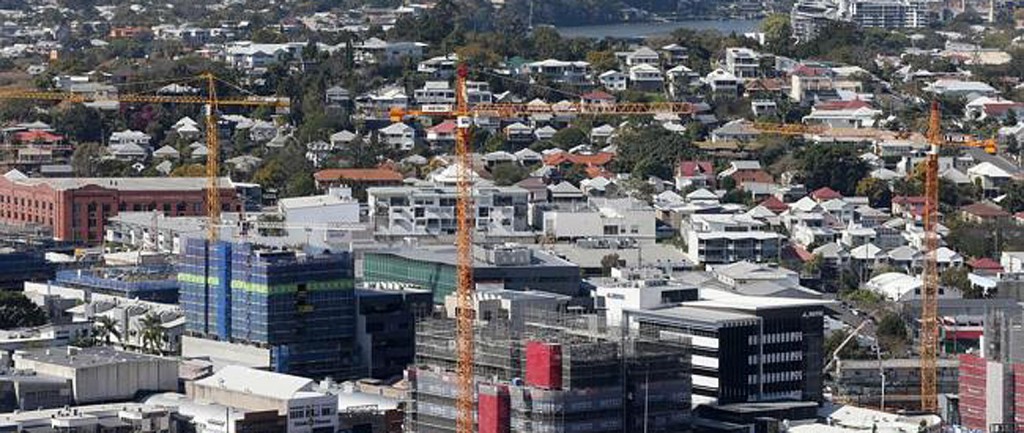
x=985, y=266
x=983, y=213
x=38, y=137
x=698, y=174
x=595, y=159
x=442, y=134
x=824, y=194
x=985, y=107
x=357, y=178
x=775, y=205
x=908, y=206
x=806, y=81
x=597, y=97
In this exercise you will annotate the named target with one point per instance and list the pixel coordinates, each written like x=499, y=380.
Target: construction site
x=299, y=307
x=551, y=372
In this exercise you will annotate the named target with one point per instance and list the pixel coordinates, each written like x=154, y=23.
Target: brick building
x=76, y=209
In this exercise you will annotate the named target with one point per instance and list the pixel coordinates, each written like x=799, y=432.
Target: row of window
x=776, y=357
x=784, y=376
x=782, y=337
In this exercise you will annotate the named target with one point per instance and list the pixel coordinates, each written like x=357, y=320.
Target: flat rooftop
x=125, y=183
x=84, y=357
x=703, y=315
x=447, y=255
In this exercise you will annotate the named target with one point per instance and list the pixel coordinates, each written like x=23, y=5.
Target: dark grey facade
x=746, y=354
x=386, y=328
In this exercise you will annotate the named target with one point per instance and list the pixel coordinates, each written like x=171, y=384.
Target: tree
x=508, y=174
x=1014, y=201
x=107, y=327
x=569, y=137
x=17, y=311
x=877, y=192
x=832, y=342
x=892, y=332
x=81, y=123
x=85, y=159
x=189, y=170
x=957, y=278
x=602, y=61
x=608, y=262
x=778, y=33
x=651, y=151
x=152, y=334
x=837, y=167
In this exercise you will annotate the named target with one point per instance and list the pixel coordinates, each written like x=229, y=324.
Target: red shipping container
x=544, y=365
x=493, y=409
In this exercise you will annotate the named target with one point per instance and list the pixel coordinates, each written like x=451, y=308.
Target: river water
x=643, y=30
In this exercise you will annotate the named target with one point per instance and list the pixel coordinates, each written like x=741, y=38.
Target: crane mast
x=212, y=162
x=464, y=266
x=930, y=278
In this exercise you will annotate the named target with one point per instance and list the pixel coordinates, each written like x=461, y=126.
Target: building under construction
x=552, y=374
x=299, y=307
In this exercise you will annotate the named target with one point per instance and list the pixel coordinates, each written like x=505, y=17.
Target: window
x=611, y=230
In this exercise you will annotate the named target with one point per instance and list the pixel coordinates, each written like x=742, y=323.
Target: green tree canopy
x=837, y=167
x=645, y=150
x=17, y=311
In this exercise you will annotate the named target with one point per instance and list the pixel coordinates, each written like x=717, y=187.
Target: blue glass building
x=301, y=308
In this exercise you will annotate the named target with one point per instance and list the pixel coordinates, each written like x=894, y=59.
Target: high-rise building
x=299, y=307
x=548, y=374
x=991, y=383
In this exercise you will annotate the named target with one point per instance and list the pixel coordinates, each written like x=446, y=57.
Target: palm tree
x=106, y=327
x=152, y=334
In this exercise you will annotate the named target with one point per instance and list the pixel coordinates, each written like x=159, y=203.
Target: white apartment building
x=429, y=210
x=728, y=238
x=435, y=93
x=613, y=80
x=558, y=71
x=601, y=218
x=744, y=63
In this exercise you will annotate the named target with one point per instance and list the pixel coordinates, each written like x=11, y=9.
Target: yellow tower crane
x=211, y=104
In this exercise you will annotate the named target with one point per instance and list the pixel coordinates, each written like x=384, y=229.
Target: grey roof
x=904, y=253
x=268, y=384
x=704, y=315
x=85, y=356
x=126, y=183
x=447, y=255
x=979, y=154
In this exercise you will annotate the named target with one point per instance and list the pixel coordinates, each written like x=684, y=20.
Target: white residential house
x=646, y=78
x=377, y=51
x=806, y=82
x=399, y=136
x=991, y=177
x=681, y=80
x=843, y=114
x=639, y=56
x=261, y=131
x=728, y=238
x=342, y=139
x=674, y=54
x=442, y=67
x=960, y=88
x=744, y=63
x=519, y=133
x=602, y=134
x=128, y=136
x=545, y=132
x=614, y=80
x=378, y=104
x=558, y=71
x=900, y=287
x=435, y=93
x=723, y=82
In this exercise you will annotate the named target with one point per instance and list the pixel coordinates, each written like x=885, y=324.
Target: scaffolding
x=605, y=381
